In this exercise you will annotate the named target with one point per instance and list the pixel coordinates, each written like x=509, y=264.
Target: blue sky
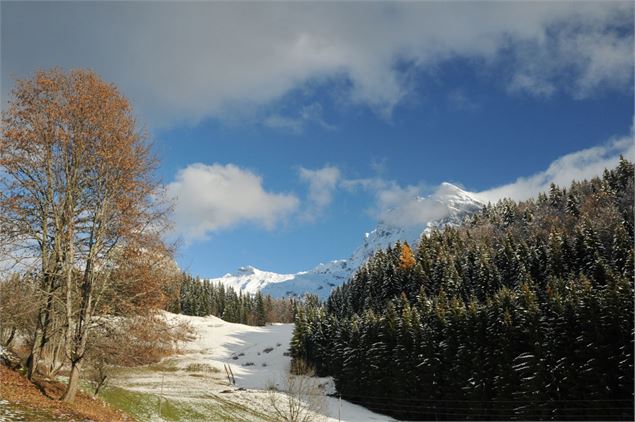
x=286, y=131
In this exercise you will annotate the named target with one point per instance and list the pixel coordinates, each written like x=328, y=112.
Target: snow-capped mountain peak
x=250, y=279
x=455, y=197
x=447, y=205
x=449, y=189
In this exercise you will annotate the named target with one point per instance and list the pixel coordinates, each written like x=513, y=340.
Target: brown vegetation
x=15, y=388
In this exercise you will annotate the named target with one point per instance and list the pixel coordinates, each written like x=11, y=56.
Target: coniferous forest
x=201, y=298
x=524, y=311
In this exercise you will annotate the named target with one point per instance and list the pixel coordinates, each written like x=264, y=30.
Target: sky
x=287, y=130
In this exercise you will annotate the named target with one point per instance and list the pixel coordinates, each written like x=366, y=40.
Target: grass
x=138, y=405
x=145, y=407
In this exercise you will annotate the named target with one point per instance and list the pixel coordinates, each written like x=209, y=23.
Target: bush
x=201, y=367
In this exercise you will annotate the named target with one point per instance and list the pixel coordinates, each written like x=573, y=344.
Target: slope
x=194, y=383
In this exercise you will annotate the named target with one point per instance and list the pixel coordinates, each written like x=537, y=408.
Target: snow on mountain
x=448, y=205
x=250, y=279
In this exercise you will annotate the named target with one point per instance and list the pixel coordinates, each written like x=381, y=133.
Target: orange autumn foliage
x=407, y=258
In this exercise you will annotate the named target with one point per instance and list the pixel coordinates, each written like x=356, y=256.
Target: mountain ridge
x=447, y=205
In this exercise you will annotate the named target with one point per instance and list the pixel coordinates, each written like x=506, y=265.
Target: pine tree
x=261, y=314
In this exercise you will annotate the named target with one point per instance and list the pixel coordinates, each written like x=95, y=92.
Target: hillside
x=525, y=311
x=22, y=400
x=193, y=385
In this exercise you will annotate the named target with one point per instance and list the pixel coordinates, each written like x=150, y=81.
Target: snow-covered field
x=256, y=356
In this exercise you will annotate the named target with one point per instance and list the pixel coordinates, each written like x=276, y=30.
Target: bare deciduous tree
x=16, y=320
x=303, y=400
x=129, y=342
x=76, y=190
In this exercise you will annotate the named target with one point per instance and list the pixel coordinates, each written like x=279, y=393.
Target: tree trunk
x=82, y=328
x=58, y=357
x=41, y=328
x=9, y=340
x=100, y=383
x=73, y=382
x=36, y=349
x=31, y=364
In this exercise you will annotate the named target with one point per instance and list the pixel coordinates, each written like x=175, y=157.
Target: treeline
x=202, y=297
x=525, y=312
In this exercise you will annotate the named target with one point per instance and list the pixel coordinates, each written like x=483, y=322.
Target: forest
x=524, y=311
x=201, y=297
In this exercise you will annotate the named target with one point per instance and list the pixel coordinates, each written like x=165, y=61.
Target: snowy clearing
x=256, y=356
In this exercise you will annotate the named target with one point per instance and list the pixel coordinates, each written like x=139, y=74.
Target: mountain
x=250, y=279
x=448, y=205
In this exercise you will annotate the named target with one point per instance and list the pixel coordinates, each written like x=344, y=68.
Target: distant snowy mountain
x=449, y=202
x=250, y=279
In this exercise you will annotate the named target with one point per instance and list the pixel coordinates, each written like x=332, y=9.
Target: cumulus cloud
x=579, y=165
x=209, y=198
x=187, y=61
x=405, y=206
x=322, y=185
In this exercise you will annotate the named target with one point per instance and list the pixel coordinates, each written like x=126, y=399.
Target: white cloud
x=402, y=206
x=594, y=54
x=187, y=61
x=608, y=61
x=407, y=205
x=214, y=197
x=579, y=165
x=322, y=184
